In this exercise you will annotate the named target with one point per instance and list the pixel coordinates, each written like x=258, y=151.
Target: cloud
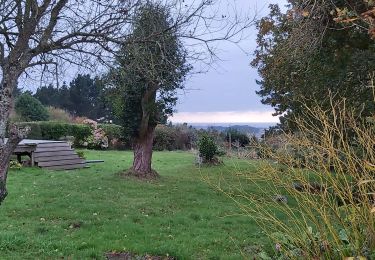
x=225, y=117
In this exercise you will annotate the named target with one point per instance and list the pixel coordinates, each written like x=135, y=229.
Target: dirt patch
x=131, y=256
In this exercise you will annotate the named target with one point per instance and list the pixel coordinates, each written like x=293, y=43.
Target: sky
x=226, y=93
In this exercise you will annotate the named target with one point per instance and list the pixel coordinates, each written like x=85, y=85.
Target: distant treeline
x=85, y=96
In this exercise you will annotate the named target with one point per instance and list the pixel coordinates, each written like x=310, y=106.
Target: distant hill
x=247, y=129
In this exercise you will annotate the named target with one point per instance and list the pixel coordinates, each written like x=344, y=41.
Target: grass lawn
x=82, y=214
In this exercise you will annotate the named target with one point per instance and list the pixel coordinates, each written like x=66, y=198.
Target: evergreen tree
x=304, y=57
x=30, y=108
x=86, y=96
x=48, y=96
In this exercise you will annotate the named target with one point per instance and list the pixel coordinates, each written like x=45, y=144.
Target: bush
x=170, y=138
x=115, y=135
x=15, y=165
x=112, y=131
x=237, y=136
x=97, y=139
x=59, y=115
x=50, y=130
x=165, y=138
x=327, y=170
x=35, y=132
x=81, y=154
x=185, y=137
x=30, y=109
x=207, y=148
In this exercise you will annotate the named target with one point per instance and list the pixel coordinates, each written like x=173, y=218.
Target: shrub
x=35, y=132
x=165, y=138
x=185, y=137
x=30, y=109
x=50, y=130
x=170, y=138
x=331, y=214
x=207, y=148
x=81, y=154
x=15, y=165
x=59, y=115
x=236, y=136
x=112, y=131
x=115, y=135
x=97, y=139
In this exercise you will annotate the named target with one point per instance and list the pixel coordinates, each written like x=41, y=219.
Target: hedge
x=50, y=130
x=166, y=138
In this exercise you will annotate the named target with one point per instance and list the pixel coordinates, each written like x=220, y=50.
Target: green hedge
x=166, y=138
x=50, y=130
x=113, y=131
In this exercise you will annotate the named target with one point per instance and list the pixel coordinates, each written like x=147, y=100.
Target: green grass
x=82, y=214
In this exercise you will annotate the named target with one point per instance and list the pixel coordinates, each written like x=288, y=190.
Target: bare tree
x=43, y=33
x=47, y=33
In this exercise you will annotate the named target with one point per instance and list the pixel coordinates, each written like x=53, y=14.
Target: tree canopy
x=305, y=56
x=85, y=96
x=30, y=109
x=149, y=72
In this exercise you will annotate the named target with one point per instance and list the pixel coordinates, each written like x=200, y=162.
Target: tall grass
x=60, y=115
x=325, y=172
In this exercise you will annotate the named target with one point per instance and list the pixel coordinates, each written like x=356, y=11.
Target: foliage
x=236, y=136
x=97, y=139
x=112, y=131
x=15, y=165
x=149, y=72
x=50, y=130
x=363, y=13
x=81, y=154
x=304, y=56
x=207, y=148
x=35, y=130
x=58, y=114
x=181, y=209
x=53, y=97
x=165, y=138
x=186, y=137
x=175, y=137
x=85, y=96
x=30, y=109
x=326, y=169
x=14, y=117
x=116, y=138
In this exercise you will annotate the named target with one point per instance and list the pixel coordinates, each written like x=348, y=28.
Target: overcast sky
x=226, y=93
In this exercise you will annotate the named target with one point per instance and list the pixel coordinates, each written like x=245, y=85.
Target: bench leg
x=32, y=160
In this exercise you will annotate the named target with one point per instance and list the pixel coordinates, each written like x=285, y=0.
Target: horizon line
x=265, y=122
x=228, y=117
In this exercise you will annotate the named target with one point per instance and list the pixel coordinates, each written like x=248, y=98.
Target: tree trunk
x=6, y=150
x=143, y=156
x=8, y=83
